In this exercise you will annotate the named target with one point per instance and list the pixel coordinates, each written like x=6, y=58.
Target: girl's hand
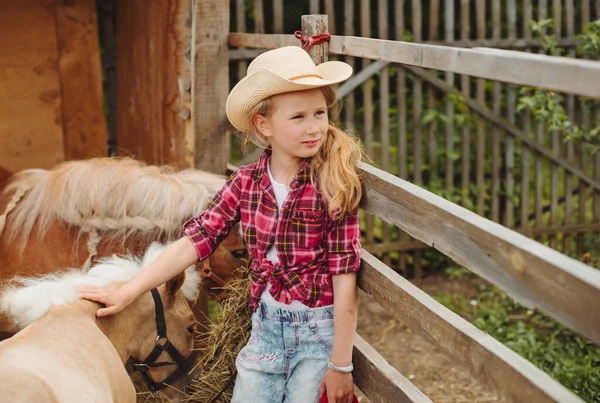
x=339, y=387
x=115, y=301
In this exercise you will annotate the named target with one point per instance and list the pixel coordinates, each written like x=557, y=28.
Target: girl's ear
x=262, y=124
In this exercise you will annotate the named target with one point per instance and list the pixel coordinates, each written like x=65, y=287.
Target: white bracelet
x=342, y=370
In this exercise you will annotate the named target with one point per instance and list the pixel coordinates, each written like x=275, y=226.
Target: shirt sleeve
x=207, y=229
x=343, y=242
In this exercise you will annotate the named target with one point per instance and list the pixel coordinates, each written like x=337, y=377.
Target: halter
x=162, y=343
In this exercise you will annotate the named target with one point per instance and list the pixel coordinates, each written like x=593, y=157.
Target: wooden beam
x=85, y=132
x=243, y=54
x=505, y=125
x=355, y=81
x=210, y=84
x=378, y=380
x=534, y=275
x=31, y=122
x=511, y=376
x=572, y=76
x=153, y=78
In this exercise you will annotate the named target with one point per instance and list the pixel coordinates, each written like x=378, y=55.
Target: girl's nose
x=313, y=128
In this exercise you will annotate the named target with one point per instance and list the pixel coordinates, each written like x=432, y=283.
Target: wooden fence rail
x=572, y=76
x=502, y=370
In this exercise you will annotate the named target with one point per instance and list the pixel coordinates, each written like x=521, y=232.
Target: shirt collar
x=261, y=174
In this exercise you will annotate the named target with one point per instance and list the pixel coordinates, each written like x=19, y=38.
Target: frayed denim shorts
x=286, y=356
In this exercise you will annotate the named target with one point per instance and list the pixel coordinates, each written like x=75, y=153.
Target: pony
x=80, y=211
x=65, y=354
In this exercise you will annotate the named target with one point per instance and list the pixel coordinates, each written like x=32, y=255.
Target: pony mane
x=25, y=299
x=116, y=196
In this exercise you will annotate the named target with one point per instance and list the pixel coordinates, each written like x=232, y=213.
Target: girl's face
x=298, y=124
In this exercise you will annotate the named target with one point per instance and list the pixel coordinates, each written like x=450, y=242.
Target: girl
x=298, y=211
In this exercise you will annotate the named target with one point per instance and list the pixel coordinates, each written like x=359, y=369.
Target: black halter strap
x=162, y=344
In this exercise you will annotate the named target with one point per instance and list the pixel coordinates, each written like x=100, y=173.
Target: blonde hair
x=334, y=167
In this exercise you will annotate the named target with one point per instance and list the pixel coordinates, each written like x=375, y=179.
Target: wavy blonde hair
x=334, y=167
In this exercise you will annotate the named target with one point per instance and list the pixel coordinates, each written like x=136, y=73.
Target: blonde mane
x=116, y=197
x=25, y=299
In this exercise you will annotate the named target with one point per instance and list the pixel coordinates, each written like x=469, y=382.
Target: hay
x=221, y=345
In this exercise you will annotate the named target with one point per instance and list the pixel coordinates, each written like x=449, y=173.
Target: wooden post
x=31, y=123
x=210, y=84
x=85, y=133
x=153, y=76
x=313, y=25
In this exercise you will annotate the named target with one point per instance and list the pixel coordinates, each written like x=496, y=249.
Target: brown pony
x=65, y=354
x=80, y=211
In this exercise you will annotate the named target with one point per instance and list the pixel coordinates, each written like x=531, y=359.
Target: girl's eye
x=320, y=113
x=297, y=117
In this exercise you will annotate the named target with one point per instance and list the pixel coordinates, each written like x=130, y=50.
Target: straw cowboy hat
x=278, y=71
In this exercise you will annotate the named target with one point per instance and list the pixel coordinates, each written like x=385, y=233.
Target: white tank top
x=281, y=192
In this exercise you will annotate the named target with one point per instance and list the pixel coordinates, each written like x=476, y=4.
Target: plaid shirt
x=311, y=246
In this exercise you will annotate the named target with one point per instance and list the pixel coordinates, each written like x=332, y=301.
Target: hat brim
x=262, y=84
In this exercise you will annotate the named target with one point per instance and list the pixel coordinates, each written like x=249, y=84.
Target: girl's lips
x=310, y=143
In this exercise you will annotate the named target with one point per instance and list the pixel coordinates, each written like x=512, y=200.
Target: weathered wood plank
x=210, y=84
x=496, y=144
x=574, y=76
x=511, y=11
x=259, y=16
x=31, y=121
x=356, y=80
x=277, y=17
x=557, y=17
x=434, y=19
x=349, y=109
x=384, y=106
x=517, y=44
x=330, y=11
x=240, y=18
x=85, y=134
x=378, y=380
x=449, y=105
x=466, y=90
x=402, y=118
x=570, y=150
x=509, y=206
x=417, y=20
x=513, y=377
x=432, y=98
x=481, y=127
x=153, y=77
x=585, y=12
x=536, y=276
x=526, y=151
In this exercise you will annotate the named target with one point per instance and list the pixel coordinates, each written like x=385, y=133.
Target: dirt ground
x=416, y=358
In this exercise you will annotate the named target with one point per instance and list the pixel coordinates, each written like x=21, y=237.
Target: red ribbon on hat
x=310, y=41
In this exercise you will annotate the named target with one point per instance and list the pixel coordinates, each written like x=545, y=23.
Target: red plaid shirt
x=311, y=246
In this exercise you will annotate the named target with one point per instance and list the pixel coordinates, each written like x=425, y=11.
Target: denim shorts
x=286, y=356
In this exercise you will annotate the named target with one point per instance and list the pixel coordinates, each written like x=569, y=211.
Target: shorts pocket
x=322, y=330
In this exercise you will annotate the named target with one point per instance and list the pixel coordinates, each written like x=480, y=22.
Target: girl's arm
x=203, y=235
x=345, y=314
x=173, y=260
x=340, y=386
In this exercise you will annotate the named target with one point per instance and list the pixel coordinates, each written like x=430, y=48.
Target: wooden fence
x=536, y=276
x=456, y=133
